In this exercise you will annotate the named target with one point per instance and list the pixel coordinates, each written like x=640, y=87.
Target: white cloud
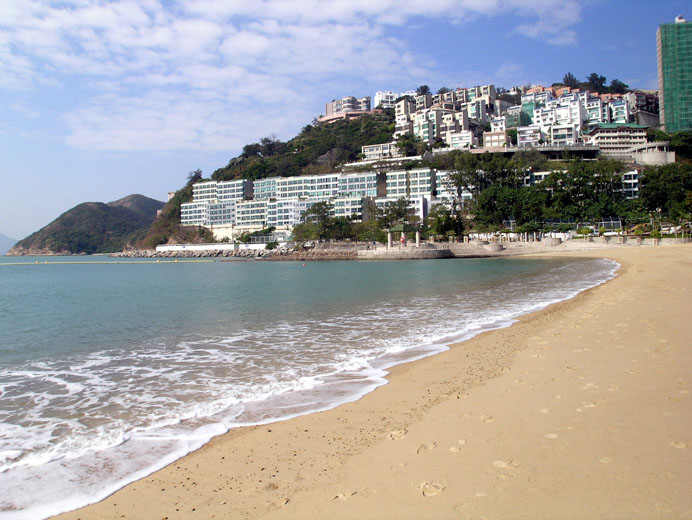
x=22, y=109
x=161, y=75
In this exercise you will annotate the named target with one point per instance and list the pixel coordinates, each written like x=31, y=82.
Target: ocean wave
x=133, y=410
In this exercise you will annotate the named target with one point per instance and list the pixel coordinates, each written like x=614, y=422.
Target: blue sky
x=100, y=99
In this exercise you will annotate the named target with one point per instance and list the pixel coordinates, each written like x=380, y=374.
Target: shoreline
x=329, y=448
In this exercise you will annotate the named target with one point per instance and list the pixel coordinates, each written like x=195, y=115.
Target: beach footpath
x=581, y=410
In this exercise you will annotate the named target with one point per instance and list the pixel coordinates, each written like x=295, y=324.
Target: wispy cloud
x=197, y=75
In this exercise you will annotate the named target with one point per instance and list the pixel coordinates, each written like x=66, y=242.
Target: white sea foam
x=133, y=411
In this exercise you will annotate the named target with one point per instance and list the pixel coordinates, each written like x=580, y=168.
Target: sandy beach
x=582, y=410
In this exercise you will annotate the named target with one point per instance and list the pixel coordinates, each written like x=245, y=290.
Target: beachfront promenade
x=582, y=410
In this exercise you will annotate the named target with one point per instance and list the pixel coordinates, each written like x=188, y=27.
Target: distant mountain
x=6, y=243
x=93, y=227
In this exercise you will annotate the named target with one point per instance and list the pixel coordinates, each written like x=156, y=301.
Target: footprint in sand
x=487, y=418
x=551, y=436
x=679, y=445
x=455, y=449
x=427, y=447
x=397, y=434
x=501, y=464
x=280, y=503
x=431, y=488
x=605, y=460
x=543, y=410
x=345, y=496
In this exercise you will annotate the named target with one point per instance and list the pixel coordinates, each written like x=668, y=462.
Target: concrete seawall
x=404, y=253
x=496, y=249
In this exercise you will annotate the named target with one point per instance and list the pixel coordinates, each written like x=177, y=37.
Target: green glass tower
x=674, y=48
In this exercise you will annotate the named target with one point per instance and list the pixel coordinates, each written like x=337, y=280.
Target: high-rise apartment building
x=674, y=48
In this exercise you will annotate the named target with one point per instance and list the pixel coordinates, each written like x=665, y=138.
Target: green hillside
x=93, y=227
x=318, y=148
x=167, y=229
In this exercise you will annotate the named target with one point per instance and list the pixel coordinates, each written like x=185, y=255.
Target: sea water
x=109, y=371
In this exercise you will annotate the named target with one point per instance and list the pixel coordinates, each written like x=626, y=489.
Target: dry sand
x=582, y=410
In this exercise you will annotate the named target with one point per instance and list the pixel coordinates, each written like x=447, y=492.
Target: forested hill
x=318, y=148
x=93, y=227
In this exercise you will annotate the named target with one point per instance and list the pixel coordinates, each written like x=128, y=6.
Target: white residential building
x=308, y=186
x=347, y=104
x=421, y=182
x=375, y=152
x=597, y=112
x=195, y=213
x=630, y=184
x=385, y=98
x=498, y=124
x=366, y=184
x=265, y=188
x=462, y=140
x=564, y=135
x=397, y=184
x=531, y=135
x=619, y=111
x=570, y=111
x=497, y=139
x=286, y=213
x=544, y=118
x=350, y=207
x=251, y=214
x=402, y=117
x=428, y=123
x=418, y=205
x=616, y=140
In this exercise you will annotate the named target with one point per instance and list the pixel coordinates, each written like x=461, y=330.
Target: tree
x=407, y=97
x=318, y=213
x=654, y=134
x=569, y=80
x=393, y=212
x=596, y=82
x=512, y=135
x=618, y=87
x=443, y=221
x=423, y=89
x=495, y=204
x=666, y=189
x=194, y=176
x=530, y=160
x=443, y=90
x=369, y=231
x=681, y=144
x=408, y=144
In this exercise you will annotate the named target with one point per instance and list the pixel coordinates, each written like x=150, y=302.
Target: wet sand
x=582, y=410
